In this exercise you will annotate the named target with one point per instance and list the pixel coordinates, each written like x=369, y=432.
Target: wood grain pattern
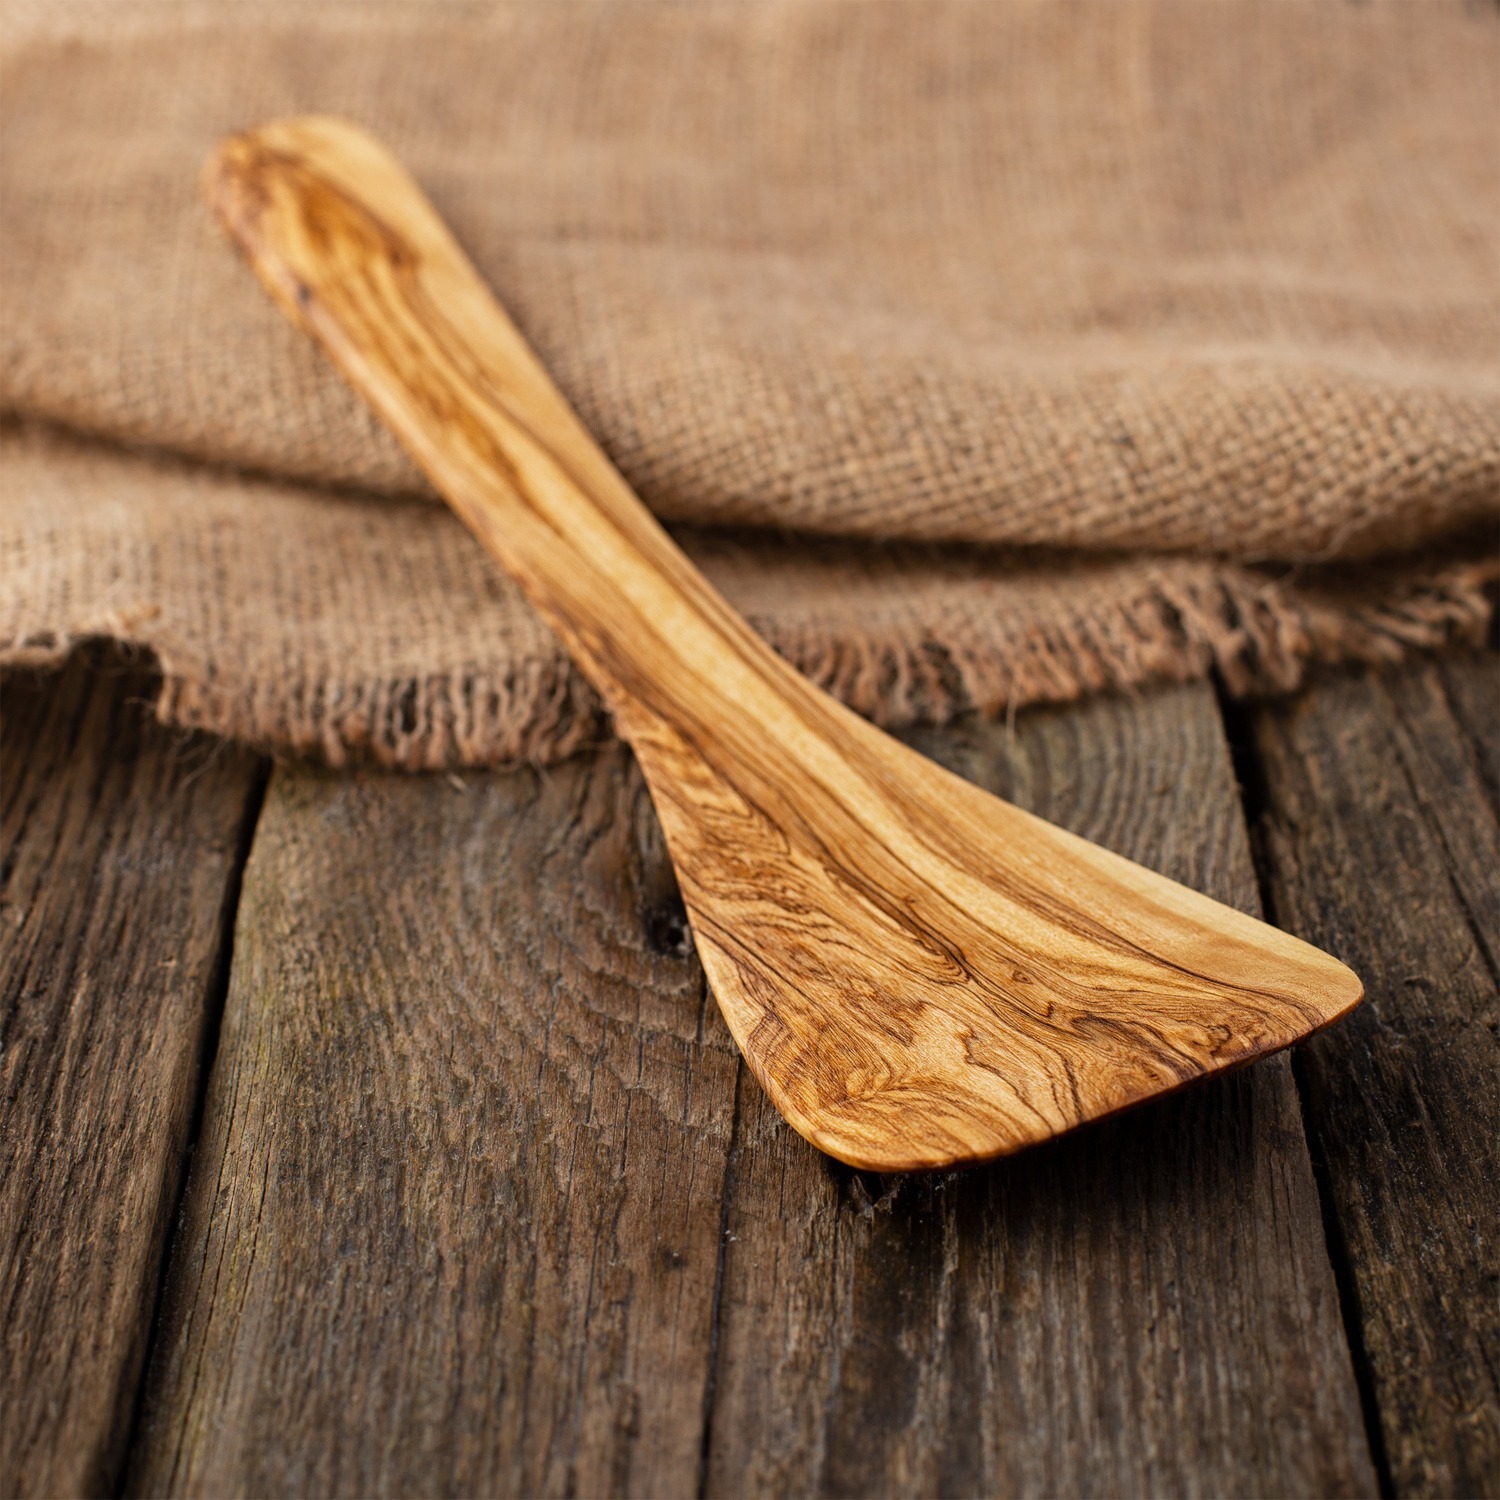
x=918, y=973
x=1380, y=836
x=122, y=845
x=1145, y=1308
x=453, y=1223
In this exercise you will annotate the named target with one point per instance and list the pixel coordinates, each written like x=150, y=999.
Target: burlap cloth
x=990, y=352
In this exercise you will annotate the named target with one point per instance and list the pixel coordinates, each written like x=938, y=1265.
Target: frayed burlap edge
x=1257, y=636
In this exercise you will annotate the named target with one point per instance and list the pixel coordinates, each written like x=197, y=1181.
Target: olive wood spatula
x=918, y=973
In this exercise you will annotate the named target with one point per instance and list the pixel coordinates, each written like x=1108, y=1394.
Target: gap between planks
x=1378, y=835
x=123, y=844
x=458, y=1217
x=1449, y=705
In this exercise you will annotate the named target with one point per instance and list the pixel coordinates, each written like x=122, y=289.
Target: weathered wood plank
x=1381, y=841
x=453, y=1226
x=485, y=994
x=122, y=845
x=1144, y=1308
x=1471, y=682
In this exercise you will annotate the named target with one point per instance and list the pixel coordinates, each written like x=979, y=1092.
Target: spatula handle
x=919, y=973
x=353, y=251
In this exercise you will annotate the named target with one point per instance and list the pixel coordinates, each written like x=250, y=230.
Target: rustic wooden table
x=376, y=1135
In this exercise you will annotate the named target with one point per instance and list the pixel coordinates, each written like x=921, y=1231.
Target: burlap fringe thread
x=1253, y=635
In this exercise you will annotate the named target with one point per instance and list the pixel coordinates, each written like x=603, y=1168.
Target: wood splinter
x=919, y=974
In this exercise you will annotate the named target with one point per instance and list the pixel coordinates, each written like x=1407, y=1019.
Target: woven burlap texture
x=1027, y=348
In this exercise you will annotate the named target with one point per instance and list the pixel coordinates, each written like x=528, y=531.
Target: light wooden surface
x=121, y=849
x=919, y=974
x=477, y=1206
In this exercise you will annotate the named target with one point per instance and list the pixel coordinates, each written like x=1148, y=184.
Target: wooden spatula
x=918, y=973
